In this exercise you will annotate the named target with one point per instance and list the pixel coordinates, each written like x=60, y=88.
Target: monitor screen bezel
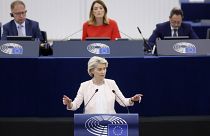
x=20, y=38
x=175, y=37
x=98, y=39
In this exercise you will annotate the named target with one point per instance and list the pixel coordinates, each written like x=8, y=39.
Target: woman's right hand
x=67, y=101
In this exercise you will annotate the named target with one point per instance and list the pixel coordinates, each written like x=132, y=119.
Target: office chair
x=45, y=48
x=44, y=36
x=0, y=30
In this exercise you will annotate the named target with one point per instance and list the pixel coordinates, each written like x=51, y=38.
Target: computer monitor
x=97, y=39
x=176, y=37
x=20, y=38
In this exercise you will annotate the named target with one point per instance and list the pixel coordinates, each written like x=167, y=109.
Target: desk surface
x=171, y=85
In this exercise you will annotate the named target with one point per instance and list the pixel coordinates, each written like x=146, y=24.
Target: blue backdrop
x=171, y=85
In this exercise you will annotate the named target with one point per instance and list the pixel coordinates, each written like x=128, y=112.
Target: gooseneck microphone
x=89, y=100
x=71, y=35
x=120, y=100
x=147, y=47
x=126, y=35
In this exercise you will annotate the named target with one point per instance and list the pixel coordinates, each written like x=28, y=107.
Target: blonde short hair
x=94, y=61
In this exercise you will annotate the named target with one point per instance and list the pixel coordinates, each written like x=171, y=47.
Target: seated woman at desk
x=98, y=24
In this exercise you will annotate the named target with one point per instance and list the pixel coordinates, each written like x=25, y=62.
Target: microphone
x=126, y=35
x=147, y=47
x=69, y=36
x=120, y=100
x=89, y=100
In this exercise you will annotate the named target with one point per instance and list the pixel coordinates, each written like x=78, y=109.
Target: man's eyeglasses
x=176, y=22
x=19, y=13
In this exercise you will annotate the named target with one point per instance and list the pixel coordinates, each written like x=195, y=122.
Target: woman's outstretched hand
x=67, y=101
x=136, y=97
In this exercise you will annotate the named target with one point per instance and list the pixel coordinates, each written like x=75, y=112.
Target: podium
x=19, y=49
x=106, y=125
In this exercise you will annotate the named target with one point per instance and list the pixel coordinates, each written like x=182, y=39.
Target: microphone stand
x=121, y=101
x=147, y=47
x=89, y=100
x=126, y=35
x=69, y=36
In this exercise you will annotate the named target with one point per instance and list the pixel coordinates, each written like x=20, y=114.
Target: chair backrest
x=45, y=48
x=208, y=34
x=0, y=30
x=44, y=36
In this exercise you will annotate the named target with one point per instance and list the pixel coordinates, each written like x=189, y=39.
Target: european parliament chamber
x=175, y=87
x=173, y=76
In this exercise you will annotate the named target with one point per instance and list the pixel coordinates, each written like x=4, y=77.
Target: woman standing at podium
x=99, y=94
x=98, y=24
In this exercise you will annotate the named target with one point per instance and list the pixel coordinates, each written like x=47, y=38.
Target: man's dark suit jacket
x=164, y=29
x=32, y=29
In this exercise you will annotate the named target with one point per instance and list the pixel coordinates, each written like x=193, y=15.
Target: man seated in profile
x=20, y=25
x=173, y=27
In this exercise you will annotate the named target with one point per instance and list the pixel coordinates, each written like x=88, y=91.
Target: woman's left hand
x=136, y=97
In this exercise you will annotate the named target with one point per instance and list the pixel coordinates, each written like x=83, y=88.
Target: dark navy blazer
x=164, y=29
x=32, y=29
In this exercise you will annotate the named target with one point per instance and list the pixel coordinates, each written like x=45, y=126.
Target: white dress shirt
x=21, y=28
x=173, y=32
